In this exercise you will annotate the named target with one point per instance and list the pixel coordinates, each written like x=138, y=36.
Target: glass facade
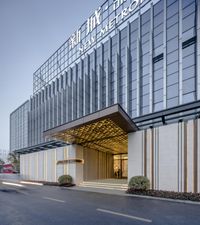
x=19, y=127
x=147, y=63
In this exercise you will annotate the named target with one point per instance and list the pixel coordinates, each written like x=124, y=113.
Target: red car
x=8, y=168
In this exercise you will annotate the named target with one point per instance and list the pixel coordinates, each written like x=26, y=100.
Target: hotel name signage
x=96, y=20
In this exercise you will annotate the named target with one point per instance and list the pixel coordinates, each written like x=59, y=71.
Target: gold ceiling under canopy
x=106, y=130
x=103, y=135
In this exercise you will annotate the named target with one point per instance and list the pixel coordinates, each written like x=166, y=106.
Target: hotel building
x=120, y=98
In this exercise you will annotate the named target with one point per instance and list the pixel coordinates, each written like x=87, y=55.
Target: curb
x=164, y=199
x=31, y=183
x=136, y=196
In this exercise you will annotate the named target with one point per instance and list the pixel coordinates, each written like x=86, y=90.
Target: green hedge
x=65, y=179
x=139, y=183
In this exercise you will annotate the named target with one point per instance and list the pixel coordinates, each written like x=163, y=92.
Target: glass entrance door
x=121, y=166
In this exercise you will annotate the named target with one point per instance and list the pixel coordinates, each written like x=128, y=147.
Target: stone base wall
x=42, y=166
x=168, y=155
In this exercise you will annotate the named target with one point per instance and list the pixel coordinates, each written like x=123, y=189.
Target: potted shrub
x=65, y=180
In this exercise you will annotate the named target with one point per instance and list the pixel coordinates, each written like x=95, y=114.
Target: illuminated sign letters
x=96, y=20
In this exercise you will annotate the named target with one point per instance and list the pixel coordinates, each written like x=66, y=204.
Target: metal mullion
x=117, y=73
x=88, y=84
x=100, y=79
x=128, y=71
x=165, y=56
x=108, y=74
x=138, y=64
x=151, y=77
x=180, y=55
x=198, y=50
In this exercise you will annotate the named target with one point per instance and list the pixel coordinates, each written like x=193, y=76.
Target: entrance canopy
x=105, y=130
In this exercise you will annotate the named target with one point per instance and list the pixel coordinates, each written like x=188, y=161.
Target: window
x=185, y=3
x=172, y=102
x=188, y=86
x=172, y=20
x=172, y=9
x=188, y=72
x=172, y=57
x=158, y=40
x=172, y=91
x=189, y=42
x=189, y=22
x=172, y=45
x=158, y=58
x=172, y=32
x=172, y=79
x=158, y=7
x=172, y=68
x=189, y=9
x=189, y=97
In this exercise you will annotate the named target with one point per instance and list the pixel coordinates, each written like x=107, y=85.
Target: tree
x=13, y=158
x=1, y=164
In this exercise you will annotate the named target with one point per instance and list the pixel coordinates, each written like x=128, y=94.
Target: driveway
x=43, y=205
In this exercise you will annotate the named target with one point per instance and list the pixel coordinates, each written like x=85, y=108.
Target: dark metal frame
x=42, y=147
x=169, y=112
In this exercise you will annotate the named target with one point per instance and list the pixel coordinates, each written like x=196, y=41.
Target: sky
x=30, y=31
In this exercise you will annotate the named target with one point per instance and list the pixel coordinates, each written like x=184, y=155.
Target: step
x=104, y=185
x=111, y=186
x=106, y=188
x=116, y=185
x=101, y=183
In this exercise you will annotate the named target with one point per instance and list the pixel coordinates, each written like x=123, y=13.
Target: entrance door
x=121, y=166
x=124, y=168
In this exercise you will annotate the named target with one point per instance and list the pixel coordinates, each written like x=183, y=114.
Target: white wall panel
x=148, y=150
x=168, y=164
x=41, y=166
x=135, y=154
x=60, y=167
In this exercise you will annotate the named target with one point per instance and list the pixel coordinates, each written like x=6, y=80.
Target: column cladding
x=92, y=83
x=100, y=74
x=87, y=86
x=45, y=108
x=58, y=98
x=165, y=56
x=128, y=72
x=138, y=64
x=40, y=118
x=66, y=95
x=84, y=87
x=49, y=108
x=180, y=55
x=52, y=121
x=151, y=100
x=35, y=121
x=108, y=73
x=72, y=95
x=198, y=49
x=43, y=114
x=117, y=69
x=62, y=113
